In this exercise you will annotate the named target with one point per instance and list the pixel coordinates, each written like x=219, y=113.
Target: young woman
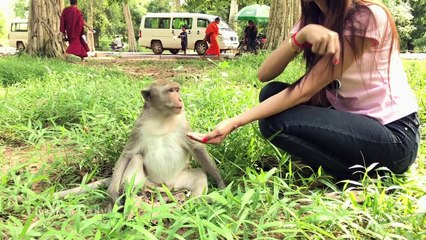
x=352, y=107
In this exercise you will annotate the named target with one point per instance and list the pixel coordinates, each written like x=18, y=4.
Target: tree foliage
x=401, y=11
x=159, y=6
x=21, y=8
x=2, y=25
x=219, y=7
x=418, y=40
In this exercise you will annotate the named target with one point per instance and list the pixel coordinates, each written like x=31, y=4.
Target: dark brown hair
x=339, y=14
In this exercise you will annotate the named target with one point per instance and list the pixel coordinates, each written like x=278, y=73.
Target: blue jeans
x=338, y=140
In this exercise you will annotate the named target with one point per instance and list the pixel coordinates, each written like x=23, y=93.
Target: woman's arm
x=275, y=63
x=315, y=80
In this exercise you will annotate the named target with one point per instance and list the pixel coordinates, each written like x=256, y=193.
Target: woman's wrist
x=295, y=48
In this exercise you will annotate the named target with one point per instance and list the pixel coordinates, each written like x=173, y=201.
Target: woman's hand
x=216, y=136
x=323, y=40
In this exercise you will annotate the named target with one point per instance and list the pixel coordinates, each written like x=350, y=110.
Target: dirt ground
x=152, y=67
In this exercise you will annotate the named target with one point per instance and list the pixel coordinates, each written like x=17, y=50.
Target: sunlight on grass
x=64, y=123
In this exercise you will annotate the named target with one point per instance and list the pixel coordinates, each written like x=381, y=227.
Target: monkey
x=158, y=151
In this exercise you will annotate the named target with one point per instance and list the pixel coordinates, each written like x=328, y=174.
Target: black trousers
x=339, y=140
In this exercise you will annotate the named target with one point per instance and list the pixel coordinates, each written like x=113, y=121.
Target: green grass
x=62, y=124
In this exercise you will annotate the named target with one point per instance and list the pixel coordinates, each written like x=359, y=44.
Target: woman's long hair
x=340, y=13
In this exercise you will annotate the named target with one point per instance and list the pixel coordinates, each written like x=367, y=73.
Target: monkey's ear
x=146, y=94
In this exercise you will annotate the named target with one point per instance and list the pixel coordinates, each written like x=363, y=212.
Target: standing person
x=250, y=34
x=353, y=106
x=183, y=39
x=72, y=26
x=212, y=32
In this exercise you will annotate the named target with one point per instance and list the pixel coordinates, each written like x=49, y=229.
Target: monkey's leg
x=135, y=170
x=194, y=180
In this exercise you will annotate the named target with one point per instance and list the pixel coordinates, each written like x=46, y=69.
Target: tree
x=159, y=6
x=130, y=31
x=418, y=37
x=90, y=36
x=233, y=10
x=2, y=25
x=282, y=17
x=215, y=7
x=401, y=11
x=44, y=37
x=21, y=8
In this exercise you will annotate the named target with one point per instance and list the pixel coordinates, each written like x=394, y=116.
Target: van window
x=179, y=22
x=158, y=23
x=202, y=23
x=19, y=27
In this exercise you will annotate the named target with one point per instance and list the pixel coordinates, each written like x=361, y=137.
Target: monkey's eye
x=173, y=89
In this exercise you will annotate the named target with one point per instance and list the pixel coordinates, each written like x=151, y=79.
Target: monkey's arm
x=120, y=167
x=200, y=154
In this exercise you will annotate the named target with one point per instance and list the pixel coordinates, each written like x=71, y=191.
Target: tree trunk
x=130, y=31
x=90, y=35
x=44, y=37
x=233, y=10
x=282, y=17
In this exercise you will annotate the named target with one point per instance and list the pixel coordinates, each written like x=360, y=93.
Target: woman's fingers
x=212, y=137
x=336, y=57
x=196, y=136
x=324, y=41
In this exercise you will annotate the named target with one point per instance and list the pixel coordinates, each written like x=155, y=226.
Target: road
x=105, y=54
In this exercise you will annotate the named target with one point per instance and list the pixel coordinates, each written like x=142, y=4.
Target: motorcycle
x=244, y=48
x=116, y=46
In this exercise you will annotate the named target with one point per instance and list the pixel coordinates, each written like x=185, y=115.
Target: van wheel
x=20, y=46
x=174, y=51
x=157, y=47
x=201, y=47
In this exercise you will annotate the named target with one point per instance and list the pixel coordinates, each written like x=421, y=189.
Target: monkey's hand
x=216, y=136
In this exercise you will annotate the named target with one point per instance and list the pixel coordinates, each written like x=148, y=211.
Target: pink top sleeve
x=368, y=24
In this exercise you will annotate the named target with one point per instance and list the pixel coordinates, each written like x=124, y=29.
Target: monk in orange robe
x=212, y=32
x=72, y=26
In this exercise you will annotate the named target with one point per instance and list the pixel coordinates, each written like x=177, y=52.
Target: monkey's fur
x=158, y=151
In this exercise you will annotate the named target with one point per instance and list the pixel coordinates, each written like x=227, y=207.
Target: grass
x=63, y=124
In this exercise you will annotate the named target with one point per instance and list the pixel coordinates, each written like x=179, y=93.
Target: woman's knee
x=265, y=128
x=271, y=89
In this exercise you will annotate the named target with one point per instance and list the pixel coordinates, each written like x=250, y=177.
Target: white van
x=158, y=31
x=18, y=34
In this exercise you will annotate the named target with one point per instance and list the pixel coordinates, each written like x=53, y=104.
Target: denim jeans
x=338, y=140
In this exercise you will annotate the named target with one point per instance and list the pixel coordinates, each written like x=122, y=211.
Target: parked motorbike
x=117, y=46
x=244, y=48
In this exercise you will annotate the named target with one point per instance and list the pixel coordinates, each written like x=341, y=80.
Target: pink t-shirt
x=371, y=86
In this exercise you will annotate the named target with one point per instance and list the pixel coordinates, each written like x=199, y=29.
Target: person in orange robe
x=212, y=31
x=72, y=26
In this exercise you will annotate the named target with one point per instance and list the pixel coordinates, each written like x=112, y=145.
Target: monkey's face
x=174, y=101
x=164, y=96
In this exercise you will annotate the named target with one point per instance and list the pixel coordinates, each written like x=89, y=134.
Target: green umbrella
x=257, y=13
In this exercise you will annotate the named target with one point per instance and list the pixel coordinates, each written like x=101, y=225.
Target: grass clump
x=63, y=124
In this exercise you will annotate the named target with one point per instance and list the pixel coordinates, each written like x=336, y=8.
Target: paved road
x=11, y=50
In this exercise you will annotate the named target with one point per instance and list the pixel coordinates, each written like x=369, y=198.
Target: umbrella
x=256, y=13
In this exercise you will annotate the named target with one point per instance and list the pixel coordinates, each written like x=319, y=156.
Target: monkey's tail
x=84, y=189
